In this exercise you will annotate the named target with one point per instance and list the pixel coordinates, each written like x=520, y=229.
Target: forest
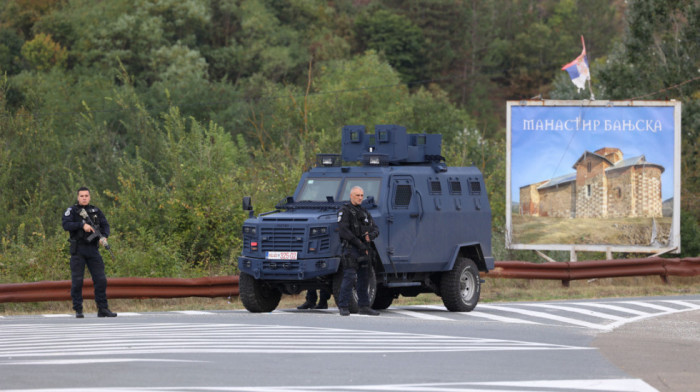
x=171, y=111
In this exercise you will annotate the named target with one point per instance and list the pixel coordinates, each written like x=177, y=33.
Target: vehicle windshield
x=319, y=189
x=369, y=185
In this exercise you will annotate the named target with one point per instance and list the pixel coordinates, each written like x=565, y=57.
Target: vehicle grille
x=282, y=239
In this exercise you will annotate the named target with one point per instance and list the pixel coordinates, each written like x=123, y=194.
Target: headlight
x=249, y=230
x=316, y=231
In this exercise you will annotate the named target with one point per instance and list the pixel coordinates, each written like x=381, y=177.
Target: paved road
x=545, y=346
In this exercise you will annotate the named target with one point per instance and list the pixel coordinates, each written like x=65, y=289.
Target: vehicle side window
x=455, y=187
x=474, y=188
x=435, y=187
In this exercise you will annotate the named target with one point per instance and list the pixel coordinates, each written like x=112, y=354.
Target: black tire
x=353, y=306
x=257, y=296
x=461, y=287
x=384, y=298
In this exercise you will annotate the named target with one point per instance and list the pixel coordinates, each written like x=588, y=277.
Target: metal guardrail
x=593, y=269
x=218, y=286
x=227, y=286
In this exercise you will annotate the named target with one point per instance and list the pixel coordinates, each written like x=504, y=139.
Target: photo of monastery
x=607, y=199
x=603, y=185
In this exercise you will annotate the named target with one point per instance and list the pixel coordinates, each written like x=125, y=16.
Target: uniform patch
x=340, y=216
x=67, y=213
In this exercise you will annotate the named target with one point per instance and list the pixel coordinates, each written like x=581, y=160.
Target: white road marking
x=128, y=314
x=619, y=385
x=59, y=340
x=682, y=303
x=606, y=310
x=652, y=306
x=580, y=311
x=489, y=316
x=414, y=314
x=599, y=385
x=543, y=315
x=614, y=307
x=192, y=312
x=93, y=361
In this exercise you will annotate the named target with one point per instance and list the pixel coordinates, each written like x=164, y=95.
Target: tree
x=43, y=53
x=395, y=37
x=10, y=52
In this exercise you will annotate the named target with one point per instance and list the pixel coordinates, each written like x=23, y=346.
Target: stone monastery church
x=603, y=186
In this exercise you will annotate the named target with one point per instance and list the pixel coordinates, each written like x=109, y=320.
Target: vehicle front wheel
x=385, y=296
x=461, y=286
x=257, y=296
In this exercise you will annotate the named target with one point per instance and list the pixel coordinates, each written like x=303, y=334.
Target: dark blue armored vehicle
x=434, y=223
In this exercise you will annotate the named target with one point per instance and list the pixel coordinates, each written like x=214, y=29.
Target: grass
x=614, y=231
x=493, y=290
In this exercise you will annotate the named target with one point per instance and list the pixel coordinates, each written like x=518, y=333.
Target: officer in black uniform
x=357, y=231
x=84, y=252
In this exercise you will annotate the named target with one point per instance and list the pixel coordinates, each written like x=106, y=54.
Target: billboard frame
x=674, y=244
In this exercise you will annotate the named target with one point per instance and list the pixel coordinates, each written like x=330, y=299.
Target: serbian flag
x=578, y=69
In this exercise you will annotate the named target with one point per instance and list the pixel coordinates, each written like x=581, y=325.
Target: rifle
x=96, y=232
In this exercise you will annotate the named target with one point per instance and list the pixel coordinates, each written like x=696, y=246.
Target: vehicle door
x=404, y=209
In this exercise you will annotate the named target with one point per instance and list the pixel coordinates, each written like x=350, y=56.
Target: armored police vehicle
x=434, y=223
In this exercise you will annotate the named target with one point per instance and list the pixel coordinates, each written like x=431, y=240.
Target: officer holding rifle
x=88, y=228
x=357, y=231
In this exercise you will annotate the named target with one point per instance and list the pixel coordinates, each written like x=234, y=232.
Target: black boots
x=322, y=304
x=366, y=310
x=101, y=312
x=105, y=312
x=306, y=305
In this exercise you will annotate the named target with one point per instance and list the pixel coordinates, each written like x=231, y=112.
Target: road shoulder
x=661, y=350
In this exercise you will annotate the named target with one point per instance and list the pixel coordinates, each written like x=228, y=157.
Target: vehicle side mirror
x=248, y=206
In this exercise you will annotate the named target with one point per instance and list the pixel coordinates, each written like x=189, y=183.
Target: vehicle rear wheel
x=353, y=306
x=385, y=296
x=257, y=296
x=461, y=287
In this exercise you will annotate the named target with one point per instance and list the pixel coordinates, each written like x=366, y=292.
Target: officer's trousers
x=88, y=255
x=349, y=276
x=311, y=296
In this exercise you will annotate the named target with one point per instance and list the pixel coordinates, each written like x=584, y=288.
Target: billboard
x=593, y=176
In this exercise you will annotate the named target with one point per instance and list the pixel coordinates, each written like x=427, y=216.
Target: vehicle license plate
x=282, y=255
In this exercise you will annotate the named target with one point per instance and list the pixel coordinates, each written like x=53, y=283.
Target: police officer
x=84, y=252
x=357, y=231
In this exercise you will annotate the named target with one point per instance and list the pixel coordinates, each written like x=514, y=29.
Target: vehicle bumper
x=302, y=269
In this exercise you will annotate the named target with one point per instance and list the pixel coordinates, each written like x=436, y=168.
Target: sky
x=547, y=141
